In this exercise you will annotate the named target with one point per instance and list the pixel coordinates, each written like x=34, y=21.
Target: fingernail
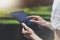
x=22, y=23
x=31, y=20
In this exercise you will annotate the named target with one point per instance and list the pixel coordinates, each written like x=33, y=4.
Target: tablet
x=21, y=16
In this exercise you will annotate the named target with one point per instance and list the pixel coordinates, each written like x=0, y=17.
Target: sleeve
x=55, y=16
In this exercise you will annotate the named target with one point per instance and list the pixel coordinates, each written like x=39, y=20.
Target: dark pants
x=8, y=32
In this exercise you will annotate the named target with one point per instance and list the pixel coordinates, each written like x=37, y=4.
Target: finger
x=34, y=21
x=24, y=31
x=25, y=26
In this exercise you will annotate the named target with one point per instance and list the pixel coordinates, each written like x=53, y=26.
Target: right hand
x=29, y=33
x=38, y=20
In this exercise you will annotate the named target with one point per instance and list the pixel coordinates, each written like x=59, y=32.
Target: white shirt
x=55, y=15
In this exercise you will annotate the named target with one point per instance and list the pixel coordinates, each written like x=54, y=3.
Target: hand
x=29, y=33
x=38, y=20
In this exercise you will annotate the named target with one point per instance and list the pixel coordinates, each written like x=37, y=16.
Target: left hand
x=37, y=19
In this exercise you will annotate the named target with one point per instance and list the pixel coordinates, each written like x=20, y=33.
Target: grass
x=9, y=22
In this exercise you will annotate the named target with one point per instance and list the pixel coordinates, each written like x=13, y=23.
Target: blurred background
x=31, y=7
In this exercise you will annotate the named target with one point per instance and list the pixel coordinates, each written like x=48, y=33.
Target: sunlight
x=5, y=4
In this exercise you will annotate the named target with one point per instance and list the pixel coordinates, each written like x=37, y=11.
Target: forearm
x=57, y=34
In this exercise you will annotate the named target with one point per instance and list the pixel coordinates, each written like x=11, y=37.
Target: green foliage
x=38, y=10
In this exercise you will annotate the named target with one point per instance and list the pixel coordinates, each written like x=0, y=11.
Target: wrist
x=45, y=23
x=48, y=25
